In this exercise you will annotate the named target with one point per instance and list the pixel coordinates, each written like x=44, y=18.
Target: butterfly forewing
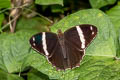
x=44, y=42
x=80, y=36
x=36, y=42
x=72, y=37
x=89, y=32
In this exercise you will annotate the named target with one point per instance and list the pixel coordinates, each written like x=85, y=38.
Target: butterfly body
x=61, y=40
x=64, y=50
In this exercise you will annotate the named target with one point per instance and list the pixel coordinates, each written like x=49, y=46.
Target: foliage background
x=101, y=62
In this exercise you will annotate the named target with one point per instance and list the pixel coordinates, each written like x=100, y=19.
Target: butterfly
x=64, y=50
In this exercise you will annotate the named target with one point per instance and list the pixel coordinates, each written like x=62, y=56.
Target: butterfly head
x=59, y=32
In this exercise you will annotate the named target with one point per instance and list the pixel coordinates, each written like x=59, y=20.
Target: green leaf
x=4, y=4
x=14, y=48
x=49, y=2
x=101, y=3
x=100, y=68
x=99, y=54
x=1, y=20
x=36, y=23
x=57, y=9
x=8, y=76
x=114, y=15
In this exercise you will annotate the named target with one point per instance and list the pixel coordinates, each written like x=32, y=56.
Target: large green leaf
x=4, y=3
x=99, y=54
x=14, y=48
x=104, y=44
x=114, y=15
x=101, y=3
x=49, y=2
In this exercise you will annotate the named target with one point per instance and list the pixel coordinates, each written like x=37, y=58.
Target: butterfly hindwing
x=74, y=55
x=57, y=58
x=72, y=60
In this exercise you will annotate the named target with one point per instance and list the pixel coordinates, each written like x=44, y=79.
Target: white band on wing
x=82, y=39
x=44, y=43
